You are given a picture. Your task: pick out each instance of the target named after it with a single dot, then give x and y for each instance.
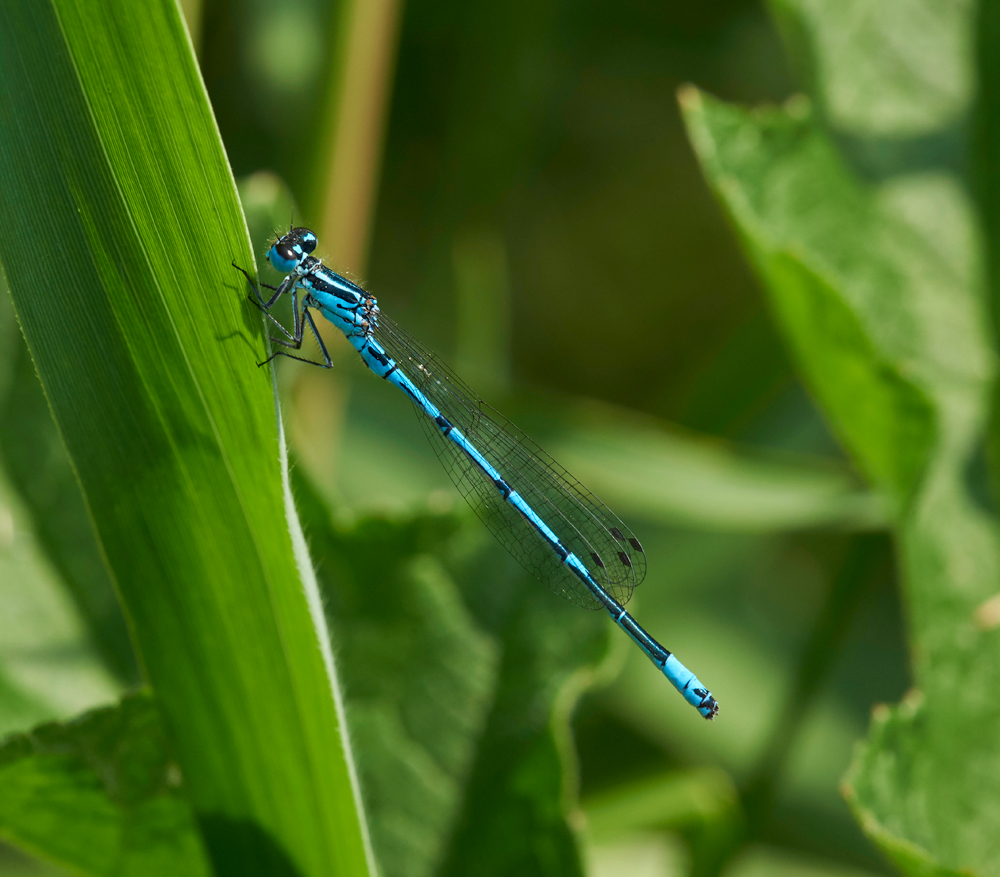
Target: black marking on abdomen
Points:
(443, 424)
(628, 623)
(380, 358)
(395, 365)
(503, 487)
(561, 551)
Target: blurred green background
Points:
(537, 215)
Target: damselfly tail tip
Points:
(709, 708)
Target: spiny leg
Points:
(264, 306)
(301, 318)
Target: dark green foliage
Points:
(541, 214)
(101, 794)
(451, 710)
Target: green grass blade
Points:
(120, 220)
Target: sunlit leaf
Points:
(885, 316)
(895, 69)
(114, 178)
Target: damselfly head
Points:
(291, 248)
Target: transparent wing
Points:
(582, 522)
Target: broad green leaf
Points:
(513, 818)
(772, 168)
(891, 769)
(101, 795)
(419, 674)
(460, 719)
(891, 70)
(115, 182)
(877, 292)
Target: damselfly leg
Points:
(300, 317)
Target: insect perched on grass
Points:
(556, 528)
